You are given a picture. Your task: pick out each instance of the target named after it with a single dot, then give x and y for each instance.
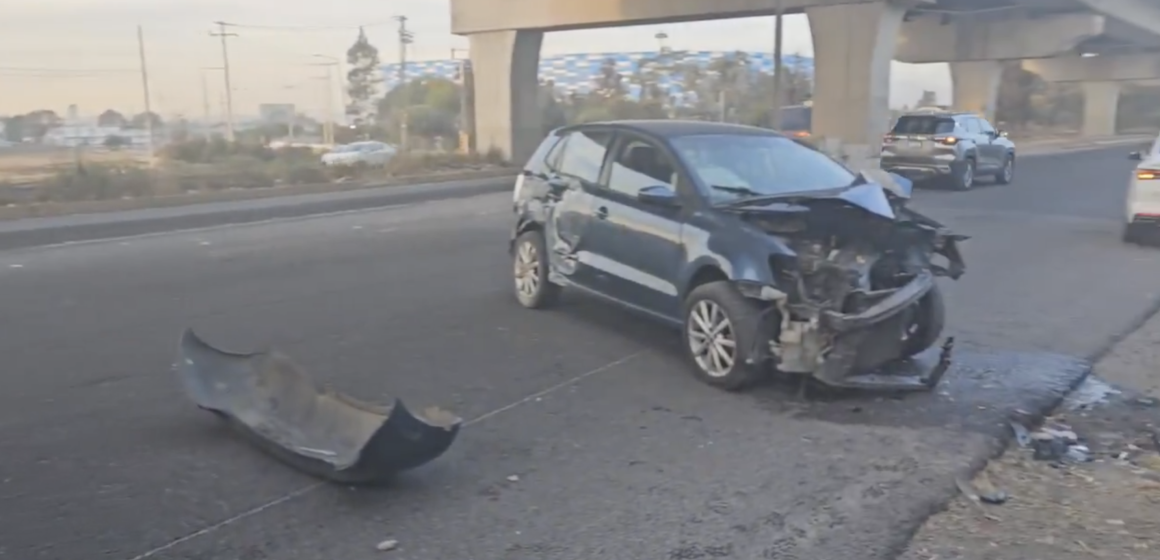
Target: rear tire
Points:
(1006, 174)
(964, 179)
(1130, 235)
(722, 331)
(530, 272)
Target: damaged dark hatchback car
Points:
(768, 254)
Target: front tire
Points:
(1007, 173)
(530, 272)
(928, 324)
(722, 330)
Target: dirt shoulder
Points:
(1107, 506)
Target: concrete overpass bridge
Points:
(1101, 43)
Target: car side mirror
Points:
(1136, 156)
(558, 185)
(659, 195)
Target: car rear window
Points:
(924, 125)
(796, 118)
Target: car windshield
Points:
(739, 166)
(923, 125)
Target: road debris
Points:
(513, 478)
(387, 545)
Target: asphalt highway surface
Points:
(585, 437)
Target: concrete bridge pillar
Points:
(1100, 103)
(853, 47)
(507, 114)
(976, 86)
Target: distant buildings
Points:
(576, 72)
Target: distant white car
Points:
(367, 153)
(1143, 208)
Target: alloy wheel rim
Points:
(527, 271)
(711, 339)
(969, 176)
(1009, 170)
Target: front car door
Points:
(575, 163)
(636, 245)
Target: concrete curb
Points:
(39, 232)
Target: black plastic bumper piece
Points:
(308, 426)
(888, 307)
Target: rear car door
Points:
(974, 137)
(636, 245)
(574, 163)
(989, 143)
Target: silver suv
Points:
(948, 145)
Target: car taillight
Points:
(1147, 174)
(948, 141)
(888, 139)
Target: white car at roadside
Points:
(367, 153)
(1143, 206)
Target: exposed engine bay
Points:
(855, 286)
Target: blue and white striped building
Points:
(576, 72)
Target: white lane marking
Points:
(204, 243)
(15, 266)
(309, 488)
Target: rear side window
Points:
(924, 125)
(584, 153)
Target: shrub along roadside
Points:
(207, 167)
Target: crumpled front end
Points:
(855, 299)
(324, 433)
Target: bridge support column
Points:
(507, 113)
(976, 86)
(853, 47)
(1100, 104)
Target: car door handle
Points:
(602, 212)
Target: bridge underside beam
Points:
(477, 16)
(1117, 68)
(930, 39)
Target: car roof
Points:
(676, 128)
(938, 113)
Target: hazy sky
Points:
(85, 51)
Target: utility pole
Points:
(205, 105)
(778, 100)
(328, 128)
(226, 71)
(145, 88)
(405, 38)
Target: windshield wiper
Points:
(737, 190)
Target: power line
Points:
(67, 70)
(308, 28)
(316, 28)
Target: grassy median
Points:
(41, 182)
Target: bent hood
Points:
(870, 197)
